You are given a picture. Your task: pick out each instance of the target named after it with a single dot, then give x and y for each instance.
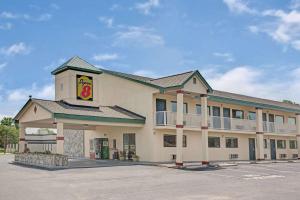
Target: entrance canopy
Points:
(46, 113)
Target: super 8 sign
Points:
(84, 88)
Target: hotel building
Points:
(99, 113)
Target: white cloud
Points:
(147, 6)
(90, 35)
(253, 29)
(138, 36)
(39, 18)
(106, 57)
(2, 65)
(21, 94)
(228, 57)
(146, 73)
(6, 26)
(108, 21)
(251, 81)
(15, 49)
(239, 7)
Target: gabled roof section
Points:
(163, 83)
(78, 64)
(63, 110)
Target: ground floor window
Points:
(265, 143)
(281, 144)
(231, 142)
(214, 142)
(170, 141)
(293, 144)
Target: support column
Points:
(179, 128)
(60, 138)
(204, 129)
(259, 134)
(298, 133)
(21, 138)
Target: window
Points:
(198, 109)
(265, 143)
(170, 141)
(239, 114)
(231, 143)
(114, 144)
(281, 144)
(92, 145)
(279, 119)
(194, 80)
(214, 142)
(251, 115)
(293, 144)
(174, 107)
(292, 120)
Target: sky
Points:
(250, 47)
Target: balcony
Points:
(168, 119)
(272, 127)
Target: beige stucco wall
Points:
(30, 115)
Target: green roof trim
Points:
(251, 104)
(78, 64)
(98, 118)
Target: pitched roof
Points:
(65, 110)
(173, 80)
(78, 64)
(240, 99)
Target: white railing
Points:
(167, 118)
(272, 127)
(225, 123)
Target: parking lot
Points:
(247, 181)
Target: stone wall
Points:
(73, 143)
(49, 161)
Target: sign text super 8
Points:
(84, 87)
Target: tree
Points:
(8, 132)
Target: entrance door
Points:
(161, 106)
(216, 117)
(226, 115)
(273, 149)
(101, 148)
(129, 145)
(252, 155)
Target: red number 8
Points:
(86, 91)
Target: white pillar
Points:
(60, 138)
(259, 134)
(204, 129)
(179, 128)
(298, 133)
(21, 138)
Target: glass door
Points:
(129, 145)
(226, 115)
(161, 106)
(216, 117)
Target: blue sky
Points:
(248, 47)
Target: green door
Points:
(104, 148)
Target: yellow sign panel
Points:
(84, 88)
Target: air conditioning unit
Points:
(233, 156)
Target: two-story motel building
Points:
(150, 117)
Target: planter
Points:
(135, 159)
(48, 161)
(122, 158)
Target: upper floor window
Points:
(292, 120)
(174, 107)
(194, 80)
(279, 119)
(251, 115)
(239, 114)
(198, 109)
